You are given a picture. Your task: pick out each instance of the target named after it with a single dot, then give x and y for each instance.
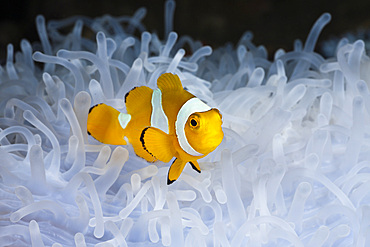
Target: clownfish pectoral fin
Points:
(138, 100)
(103, 124)
(157, 143)
(194, 164)
(175, 170)
(169, 81)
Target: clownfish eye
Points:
(193, 122)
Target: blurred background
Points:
(274, 23)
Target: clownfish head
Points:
(203, 130)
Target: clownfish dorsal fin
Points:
(175, 170)
(103, 124)
(194, 164)
(138, 99)
(157, 143)
(173, 97)
(169, 82)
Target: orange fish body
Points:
(160, 124)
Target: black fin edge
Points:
(194, 167)
(88, 132)
(143, 142)
(128, 94)
(94, 107)
(168, 180)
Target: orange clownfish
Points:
(160, 124)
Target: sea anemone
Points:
(293, 168)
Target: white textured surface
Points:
(292, 170)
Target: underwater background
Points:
(275, 24)
(292, 170)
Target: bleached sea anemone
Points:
(293, 168)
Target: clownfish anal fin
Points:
(175, 170)
(157, 143)
(194, 164)
(138, 99)
(104, 126)
(169, 81)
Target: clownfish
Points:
(160, 124)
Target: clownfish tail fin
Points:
(103, 124)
